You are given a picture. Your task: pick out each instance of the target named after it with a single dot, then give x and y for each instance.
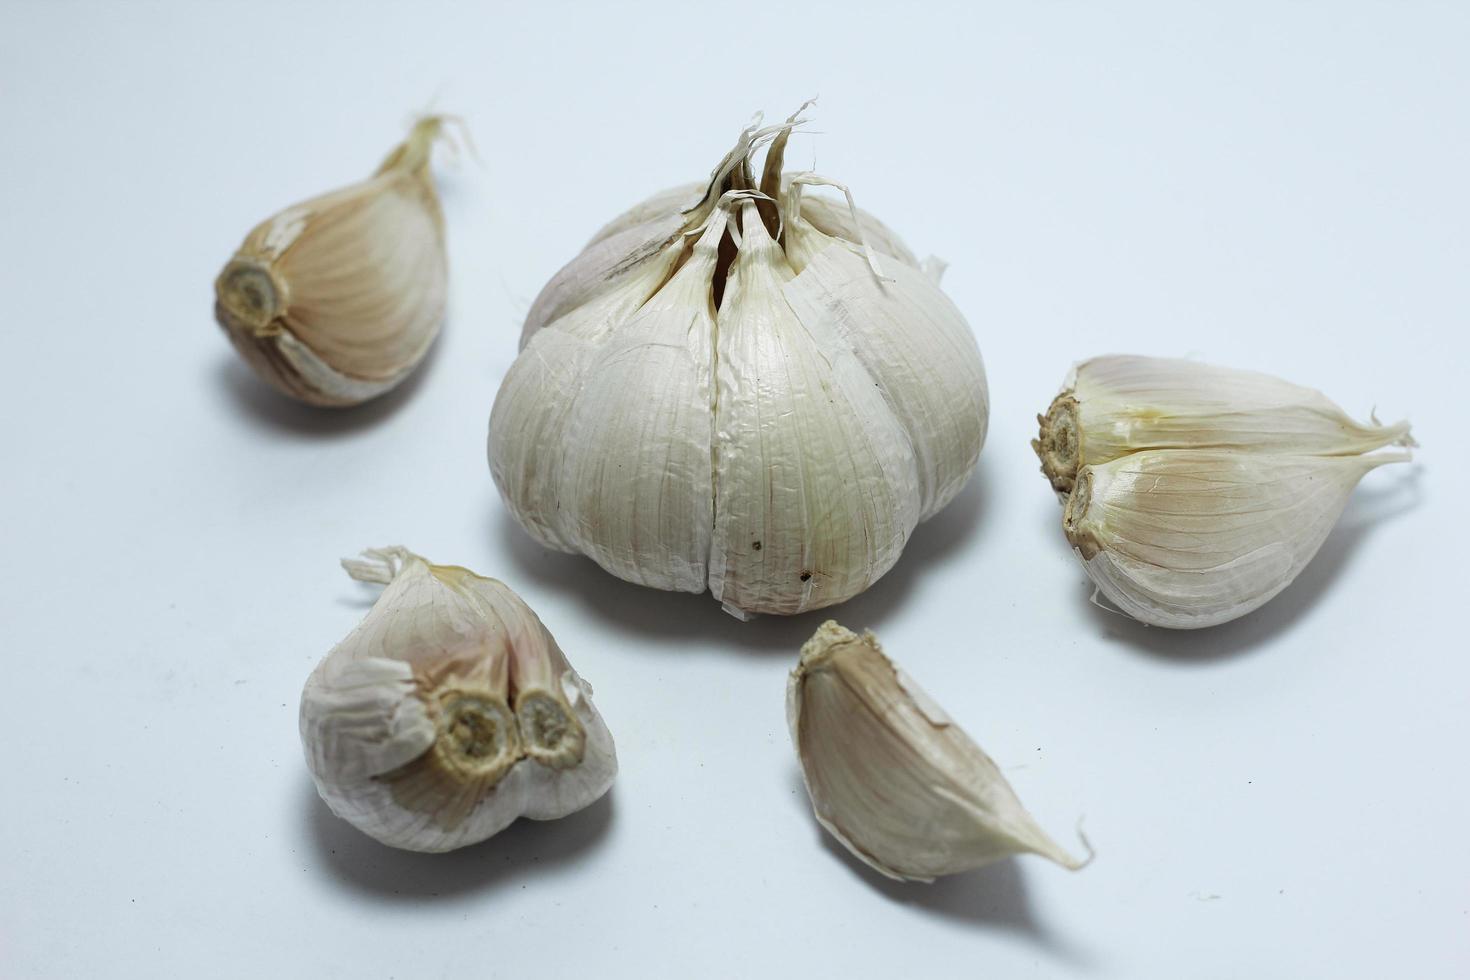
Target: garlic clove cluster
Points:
(891, 776)
(336, 300)
(1194, 494)
(741, 387)
(449, 712)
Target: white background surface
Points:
(1279, 186)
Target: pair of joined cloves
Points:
(1194, 494)
(449, 712)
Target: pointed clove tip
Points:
(1074, 864)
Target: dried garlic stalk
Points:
(722, 392)
(336, 300)
(1194, 494)
(449, 712)
(891, 776)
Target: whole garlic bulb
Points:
(449, 712)
(722, 392)
(336, 300)
(891, 776)
(1194, 494)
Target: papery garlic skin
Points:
(336, 300)
(891, 776)
(1115, 405)
(449, 712)
(835, 221)
(722, 391)
(1192, 538)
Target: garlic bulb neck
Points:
(892, 776)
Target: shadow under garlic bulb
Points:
(740, 387)
(1194, 494)
(336, 300)
(449, 712)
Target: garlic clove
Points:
(914, 343)
(637, 493)
(816, 490)
(448, 712)
(1116, 405)
(1193, 538)
(335, 300)
(891, 776)
(529, 422)
(552, 791)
